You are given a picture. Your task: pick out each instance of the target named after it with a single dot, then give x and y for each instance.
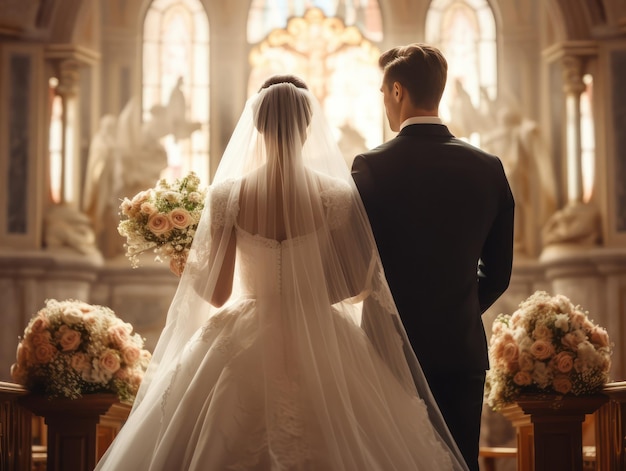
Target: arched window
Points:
(330, 45)
(176, 75)
(465, 31)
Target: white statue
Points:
(525, 157)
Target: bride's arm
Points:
(224, 284)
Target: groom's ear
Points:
(397, 91)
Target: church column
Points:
(67, 74)
(573, 87)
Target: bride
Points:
(283, 349)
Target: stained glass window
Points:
(331, 47)
(176, 63)
(465, 31)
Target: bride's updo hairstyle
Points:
(283, 111)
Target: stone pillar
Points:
(67, 71)
(573, 86)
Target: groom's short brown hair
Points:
(420, 68)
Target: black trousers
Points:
(459, 396)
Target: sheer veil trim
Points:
(317, 314)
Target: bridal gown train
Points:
(256, 388)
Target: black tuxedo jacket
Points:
(437, 206)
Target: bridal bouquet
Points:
(71, 348)
(548, 346)
(163, 219)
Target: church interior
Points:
(99, 99)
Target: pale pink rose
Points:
(510, 352)
(571, 340)
(119, 334)
(148, 208)
(45, 352)
(562, 384)
(180, 218)
(127, 208)
(72, 315)
(69, 339)
(542, 332)
(110, 362)
(131, 354)
(40, 324)
(599, 337)
(522, 378)
(159, 224)
(40, 337)
(541, 349)
(22, 354)
(563, 362)
(122, 374)
(80, 362)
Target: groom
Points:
(438, 207)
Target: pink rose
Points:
(159, 224)
(110, 361)
(69, 339)
(180, 218)
(542, 332)
(599, 337)
(563, 362)
(80, 362)
(119, 334)
(40, 337)
(40, 324)
(562, 384)
(131, 355)
(578, 319)
(22, 354)
(148, 208)
(510, 352)
(522, 378)
(542, 349)
(45, 352)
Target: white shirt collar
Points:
(421, 120)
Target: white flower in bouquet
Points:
(71, 348)
(548, 345)
(163, 219)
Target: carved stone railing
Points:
(15, 430)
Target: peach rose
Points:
(522, 378)
(148, 208)
(562, 384)
(110, 362)
(80, 362)
(69, 339)
(40, 324)
(571, 340)
(131, 354)
(563, 362)
(599, 337)
(119, 334)
(542, 349)
(159, 224)
(542, 332)
(180, 218)
(45, 352)
(22, 354)
(40, 337)
(526, 361)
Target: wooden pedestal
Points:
(549, 430)
(79, 430)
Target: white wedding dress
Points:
(292, 373)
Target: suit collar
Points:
(425, 130)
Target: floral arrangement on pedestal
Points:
(71, 348)
(163, 219)
(548, 345)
